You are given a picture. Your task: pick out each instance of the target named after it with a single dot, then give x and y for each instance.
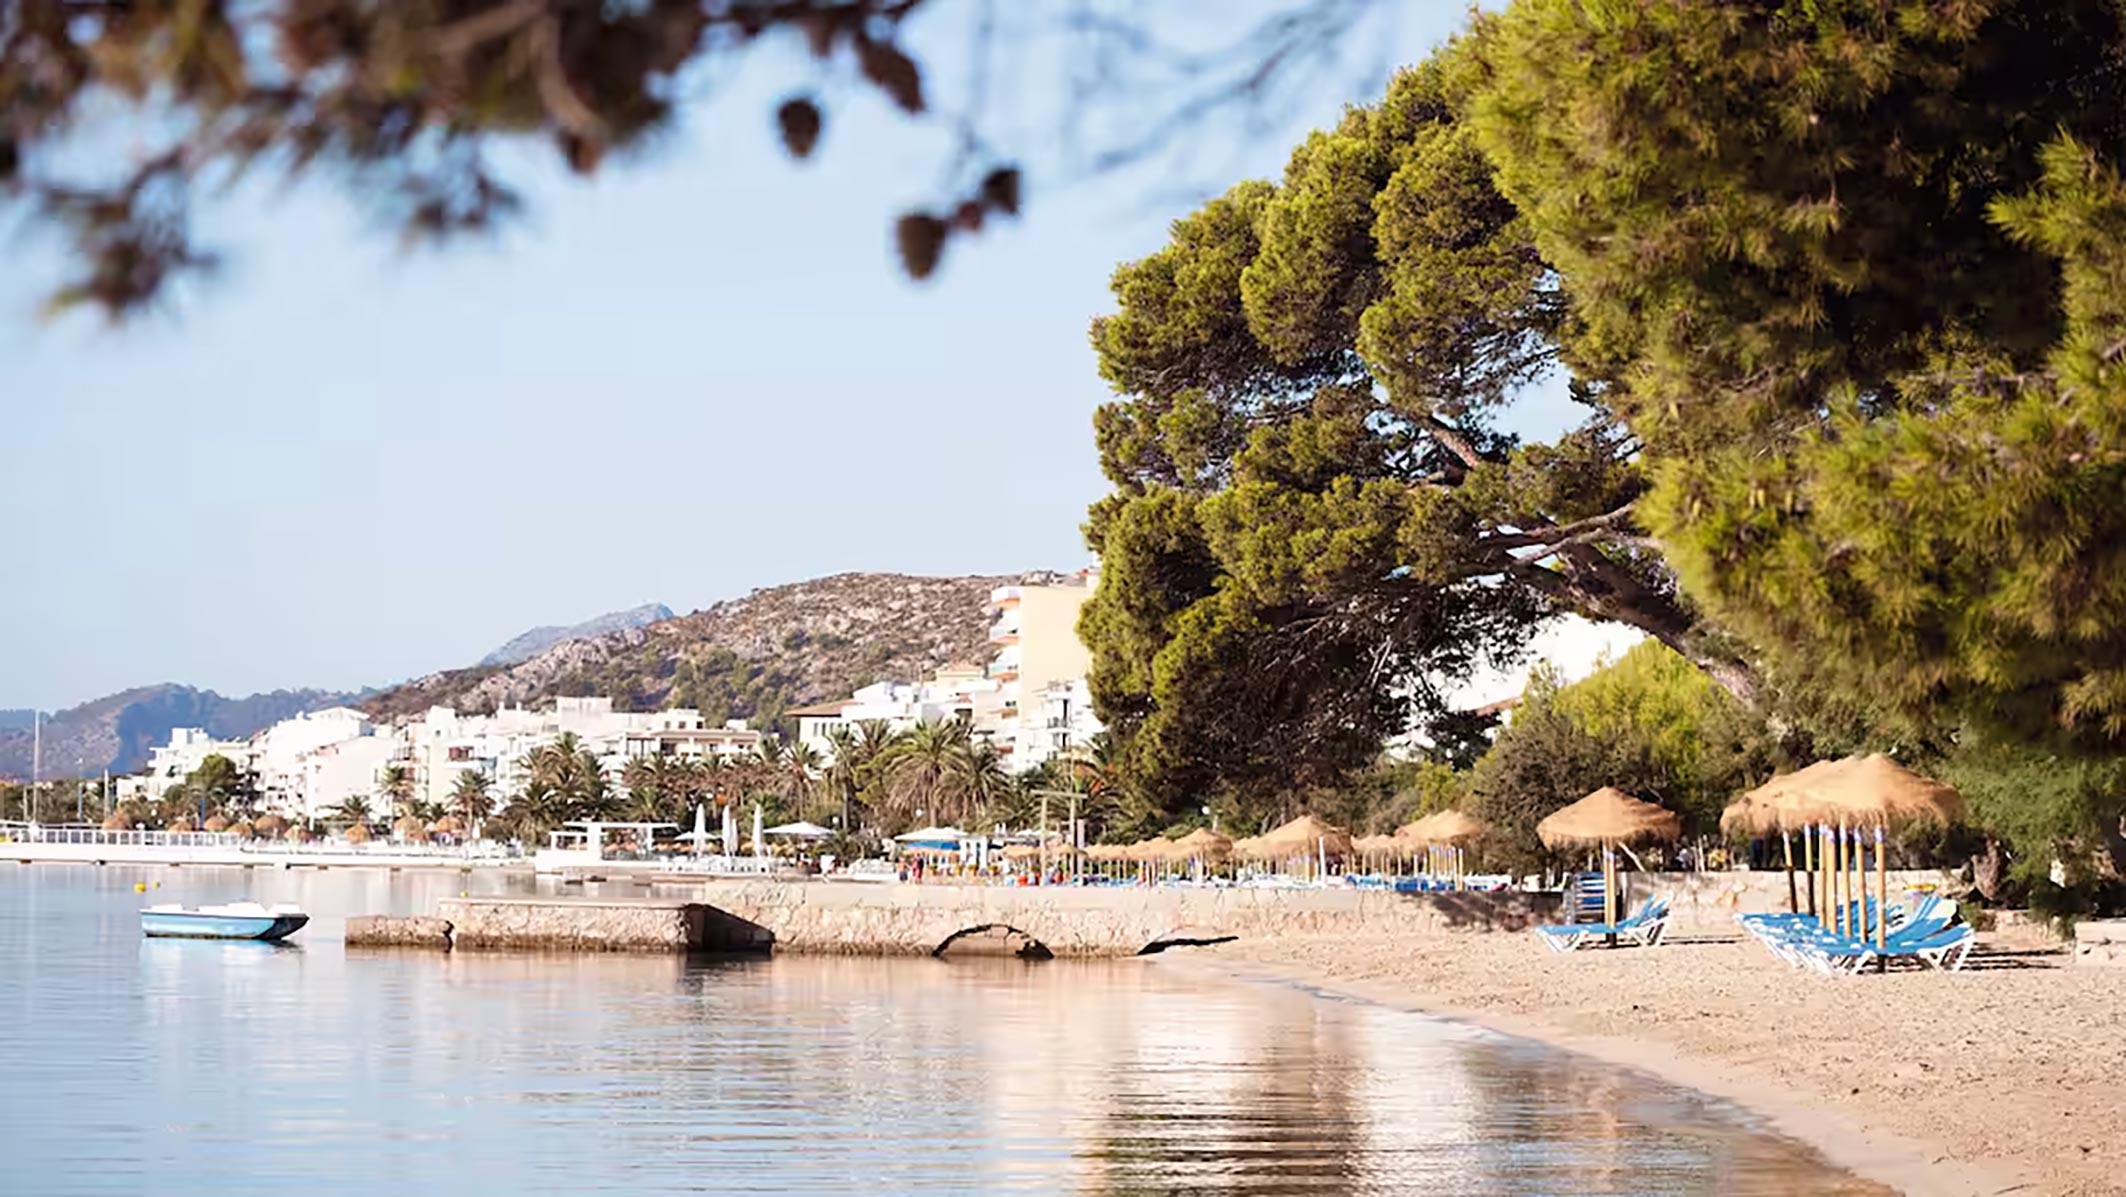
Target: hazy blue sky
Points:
(689, 377)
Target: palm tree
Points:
(569, 777)
(644, 783)
(801, 765)
(928, 771)
(395, 787)
(984, 778)
(846, 772)
(472, 798)
(353, 809)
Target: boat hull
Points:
(173, 925)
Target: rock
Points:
(397, 931)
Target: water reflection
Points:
(195, 1067)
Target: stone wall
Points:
(578, 926)
(893, 919)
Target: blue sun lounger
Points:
(1926, 933)
(1642, 927)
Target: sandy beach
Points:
(2002, 1078)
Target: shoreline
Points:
(1863, 1146)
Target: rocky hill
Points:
(539, 639)
(115, 732)
(747, 658)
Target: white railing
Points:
(760, 865)
(32, 833)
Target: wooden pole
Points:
(1808, 861)
(1609, 885)
(1882, 885)
(1858, 893)
(1786, 846)
(1834, 843)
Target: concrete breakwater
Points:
(571, 925)
(1096, 921)
(908, 920)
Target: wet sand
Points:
(2007, 1077)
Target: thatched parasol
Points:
(180, 823)
(1201, 844)
(241, 828)
(118, 820)
(1440, 835)
(269, 826)
(1104, 853)
(1606, 818)
(1758, 812)
(410, 829)
(358, 834)
(1303, 836)
(1022, 851)
(301, 835)
(215, 823)
(1149, 851)
(1845, 798)
(449, 825)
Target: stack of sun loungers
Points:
(1928, 932)
(1642, 927)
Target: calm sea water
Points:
(141, 1066)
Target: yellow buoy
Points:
(140, 887)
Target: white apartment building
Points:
(169, 764)
(1039, 661)
(443, 744)
(958, 691)
(284, 757)
(312, 762)
(1030, 703)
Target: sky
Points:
(340, 465)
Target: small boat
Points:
(236, 920)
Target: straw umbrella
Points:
(1376, 847)
(1847, 799)
(1204, 847)
(409, 830)
(1305, 835)
(1607, 818)
(118, 820)
(1445, 833)
(358, 834)
(1762, 811)
(269, 826)
(215, 823)
(241, 828)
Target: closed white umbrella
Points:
(760, 845)
(730, 832)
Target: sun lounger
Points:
(1642, 927)
(1925, 933)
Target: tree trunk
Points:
(1989, 870)
(2115, 847)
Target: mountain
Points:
(746, 658)
(115, 732)
(17, 720)
(538, 640)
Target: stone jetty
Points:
(912, 920)
(563, 924)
